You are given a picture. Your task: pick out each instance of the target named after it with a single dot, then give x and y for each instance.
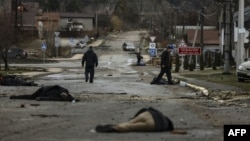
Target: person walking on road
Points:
(139, 58)
(166, 66)
(91, 60)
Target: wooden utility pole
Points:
(16, 16)
(14, 13)
(227, 23)
(201, 38)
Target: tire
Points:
(18, 57)
(241, 80)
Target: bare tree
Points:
(7, 33)
(110, 6)
(140, 7)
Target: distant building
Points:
(181, 30)
(211, 44)
(211, 39)
(76, 22)
(49, 21)
(34, 19)
(246, 17)
(246, 26)
(28, 14)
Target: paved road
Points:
(118, 92)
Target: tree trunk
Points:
(5, 60)
(6, 66)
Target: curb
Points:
(203, 90)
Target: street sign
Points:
(171, 46)
(189, 50)
(152, 45)
(71, 40)
(152, 38)
(86, 38)
(44, 46)
(57, 41)
(57, 34)
(152, 52)
(182, 44)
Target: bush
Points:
(177, 63)
(116, 23)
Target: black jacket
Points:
(162, 123)
(165, 58)
(54, 92)
(90, 58)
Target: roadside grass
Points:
(217, 76)
(12, 72)
(20, 70)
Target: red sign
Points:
(189, 50)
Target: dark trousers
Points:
(89, 73)
(138, 60)
(167, 70)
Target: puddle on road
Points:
(130, 72)
(55, 76)
(63, 76)
(130, 61)
(73, 70)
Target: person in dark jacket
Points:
(166, 66)
(90, 61)
(139, 58)
(145, 120)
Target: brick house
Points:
(211, 45)
(33, 19)
(211, 39)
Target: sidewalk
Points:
(58, 70)
(202, 85)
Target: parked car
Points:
(17, 53)
(81, 44)
(128, 46)
(243, 71)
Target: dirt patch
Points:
(118, 97)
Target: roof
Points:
(246, 14)
(209, 36)
(75, 15)
(31, 6)
(51, 16)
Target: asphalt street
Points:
(119, 90)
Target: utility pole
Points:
(14, 4)
(96, 21)
(241, 35)
(227, 37)
(201, 38)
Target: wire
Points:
(210, 15)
